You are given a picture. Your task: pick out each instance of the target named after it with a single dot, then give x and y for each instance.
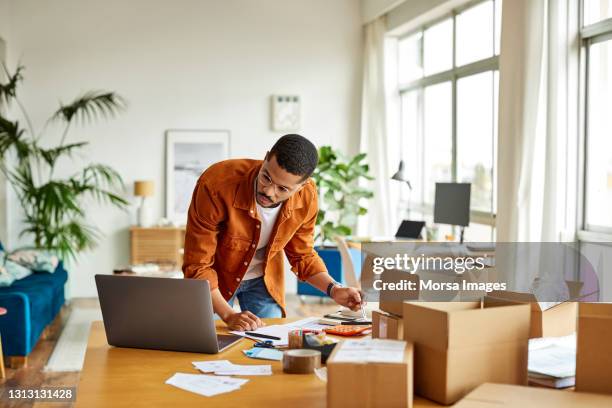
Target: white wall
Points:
(4, 58)
(186, 65)
(413, 13)
(372, 9)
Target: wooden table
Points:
(123, 377)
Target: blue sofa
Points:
(333, 261)
(32, 304)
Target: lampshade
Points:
(143, 188)
(400, 175)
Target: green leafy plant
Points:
(54, 207)
(337, 179)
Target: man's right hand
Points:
(243, 321)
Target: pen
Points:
(362, 309)
(263, 336)
(335, 317)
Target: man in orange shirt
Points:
(244, 214)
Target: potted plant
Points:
(54, 211)
(340, 204)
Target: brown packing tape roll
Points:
(301, 361)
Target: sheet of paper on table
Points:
(207, 385)
(371, 351)
(225, 367)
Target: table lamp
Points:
(144, 189)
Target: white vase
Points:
(145, 214)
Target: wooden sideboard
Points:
(160, 245)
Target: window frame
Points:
(453, 75)
(591, 34)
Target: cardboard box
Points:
(391, 301)
(516, 396)
(558, 320)
(594, 348)
(460, 345)
(387, 326)
(370, 384)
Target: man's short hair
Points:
(296, 154)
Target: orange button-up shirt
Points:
(223, 230)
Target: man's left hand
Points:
(349, 297)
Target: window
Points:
(448, 84)
(596, 10)
(597, 47)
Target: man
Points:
(243, 215)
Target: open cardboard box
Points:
(392, 301)
(594, 348)
(460, 345)
(387, 326)
(546, 320)
(515, 396)
(370, 384)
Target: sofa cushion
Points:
(35, 259)
(9, 268)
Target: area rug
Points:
(69, 351)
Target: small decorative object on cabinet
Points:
(144, 189)
(159, 245)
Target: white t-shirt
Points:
(268, 219)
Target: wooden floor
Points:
(33, 375)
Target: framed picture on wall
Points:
(188, 154)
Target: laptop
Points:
(410, 229)
(160, 313)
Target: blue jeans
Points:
(254, 297)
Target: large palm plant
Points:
(53, 207)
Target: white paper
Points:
(211, 366)
(553, 360)
(553, 356)
(246, 370)
(207, 385)
(321, 373)
(371, 351)
(225, 367)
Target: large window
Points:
(448, 84)
(597, 46)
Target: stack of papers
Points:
(207, 385)
(225, 367)
(371, 351)
(282, 330)
(552, 361)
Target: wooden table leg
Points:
(2, 372)
(17, 362)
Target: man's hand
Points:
(243, 321)
(349, 297)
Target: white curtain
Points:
(375, 109)
(536, 139)
(534, 142)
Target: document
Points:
(282, 330)
(225, 367)
(371, 351)
(553, 356)
(206, 385)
